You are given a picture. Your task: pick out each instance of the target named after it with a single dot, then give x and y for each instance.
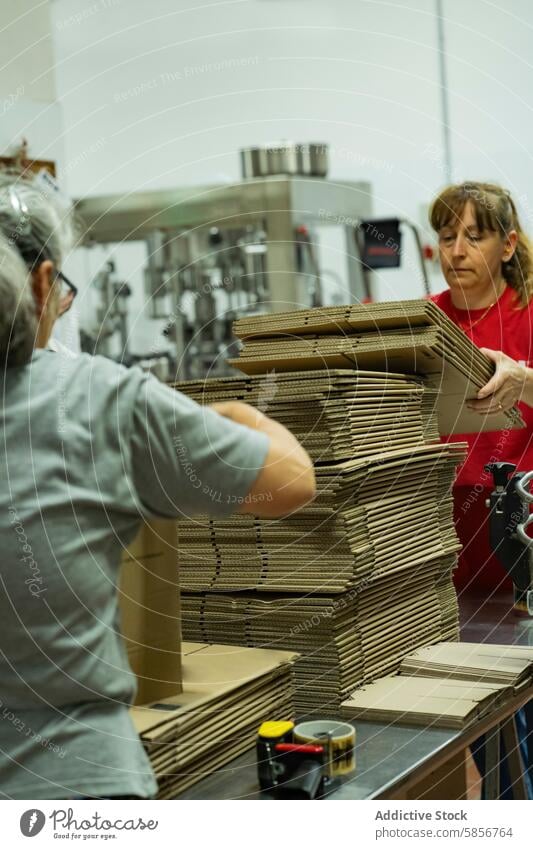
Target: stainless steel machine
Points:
(215, 253)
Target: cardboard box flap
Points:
(209, 672)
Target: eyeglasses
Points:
(68, 293)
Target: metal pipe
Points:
(444, 93)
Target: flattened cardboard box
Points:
(149, 603)
(335, 414)
(209, 673)
(487, 662)
(438, 702)
(404, 336)
(371, 534)
(342, 641)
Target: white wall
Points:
(163, 94)
(27, 49)
(28, 104)
(143, 82)
(491, 77)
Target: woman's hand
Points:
(511, 382)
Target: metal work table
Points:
(393, 761)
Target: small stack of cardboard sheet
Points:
(227, 693)
(509, 665)
(371, 517)
(412, 337)
(336, 415)
(448, 685)
(343, 640)
(431, 702)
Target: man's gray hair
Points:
(34, 220)
(34, 226)
(18, 318)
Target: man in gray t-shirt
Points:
(89, 448)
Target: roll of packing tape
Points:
(338, 739)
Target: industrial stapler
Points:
(509, 518)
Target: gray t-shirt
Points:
(88, 449)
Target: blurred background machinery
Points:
(273, 242)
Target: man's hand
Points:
(511, 382)
(287, 480)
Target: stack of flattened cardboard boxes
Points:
(352, 582)
(430, 702)
(449, 685)
(197, 706)
(413, 337)
(228, 691)
(361, 577)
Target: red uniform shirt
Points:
(509, 328)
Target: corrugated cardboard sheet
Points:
(511, 665)
(413, 337)
(227, 692)
(372, 516)
(336, 414)
(437, 702)
(344, 640)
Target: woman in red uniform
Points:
(487, 262)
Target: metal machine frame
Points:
(283, 203)
(279, 206)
